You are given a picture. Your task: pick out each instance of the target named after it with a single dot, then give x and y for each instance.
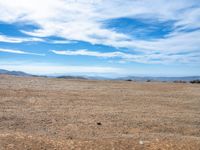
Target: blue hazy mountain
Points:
(128, 78)
(16, 73)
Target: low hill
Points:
(16, 73)
(72, 77)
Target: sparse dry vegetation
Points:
(41, 113)
(195, 82)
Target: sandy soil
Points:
(41, 113)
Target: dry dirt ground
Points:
(41, 113)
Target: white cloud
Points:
(47, 69)
(151, 58)
(62, 42)
(83, 21)
(176, 42)
(4, 38)
(85, 52)
(19, 52)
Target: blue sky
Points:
(104, 38)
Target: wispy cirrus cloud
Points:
(8, 39)
(149, 58)
(85, 21)
(62, 42)
(20, 52)
(85, 52)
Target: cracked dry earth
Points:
(42, 113)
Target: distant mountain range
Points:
(129, 78)
(16, 73)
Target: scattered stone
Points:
(99, 123)
(141, 142)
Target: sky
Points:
(101, 38)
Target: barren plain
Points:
(43, 113)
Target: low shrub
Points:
(180, 81)
(195, 81)
(129, 80)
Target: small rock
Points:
(99, 123)
(141, 142)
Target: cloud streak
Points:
(8, 39)
(85, 52)
(149, 58)
(20, 52)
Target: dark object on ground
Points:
(180, 81)
(99, 123)
(195, 81)
(129, 80)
